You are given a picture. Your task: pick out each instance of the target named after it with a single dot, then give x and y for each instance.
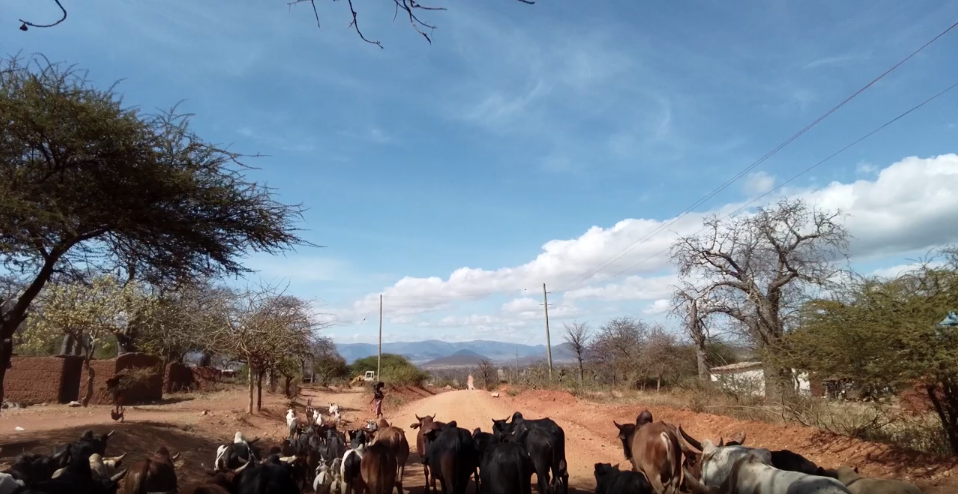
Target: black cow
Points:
(352, 462)
(84, 448)
(452, 457)
(544, 440)
(505, 468)
(77, 478)
(793, 462)
(270, 477)
(237, 454)
(610, 480)
(32, 468)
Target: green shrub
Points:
(396, 369)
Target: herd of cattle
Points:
(371, 459)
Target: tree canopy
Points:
(88, 185)
(884, 333)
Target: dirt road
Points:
(473, 409)
(195, 424)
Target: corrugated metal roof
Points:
(738, 366)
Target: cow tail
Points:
(383, 488)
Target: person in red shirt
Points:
(377, 400)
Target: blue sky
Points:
(532, 143)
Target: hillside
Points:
(462, 358)
(422, 352)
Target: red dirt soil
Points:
(933, 474)
(195, 424)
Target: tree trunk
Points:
(12, 319)
(206, 359)
(777, 381)
(271, 379)
(249, 378)
(90, 375)
(946, 407)
(286, 391)
(580, 371)
(658, 385)
(259, 391)
(701, 356)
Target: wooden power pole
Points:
(545, 306)
(379, 360)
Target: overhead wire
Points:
(801, 173)
(615, 257)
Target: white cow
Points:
(740, 470)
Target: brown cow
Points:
(152, 475)
(426, 424)
(378, 469)
(395, 439)
(218, 483)
(654, 450)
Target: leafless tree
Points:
(692, 309)
(410, 9)
(264, 329)
(758, 267)
(488, 373)
(661, 355)
(577, 335)
(616, 348)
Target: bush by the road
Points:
(396, 369)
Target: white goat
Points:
(324, 479)
(291, 422)
(333, 409)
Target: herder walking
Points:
(377, 400)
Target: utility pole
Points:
(545, 307)
(379, 361)
(517, 365)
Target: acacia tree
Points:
(885, 333)
(89, 313)
(661, 356)
(757, 268)
(410, 9)
(181, 320)
(577, 334)
(88, 184)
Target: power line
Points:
(747, 169)
(803, 172)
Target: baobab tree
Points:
(758, 267)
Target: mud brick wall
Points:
(151, 390)
(206, 377)
(178, 377)
(33, 380)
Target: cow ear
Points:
(855, 469)
(414, 426)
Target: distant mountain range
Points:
(434, 353)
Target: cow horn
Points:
(119, 475)
(175, 457)
(58, 472)
(418, 417)
(689, 440)
(108, 434)
(738, 438)
(287, 459)
(721, 441)
(116, 459)
(240, 468)
(697, 487)
(56, 456)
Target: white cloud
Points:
(757, 183)
(660, 306)
(909, 205)
(865, 168)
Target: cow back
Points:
(656, 453)
(378, 468)
(506, 469)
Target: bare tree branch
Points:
(24, 24)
